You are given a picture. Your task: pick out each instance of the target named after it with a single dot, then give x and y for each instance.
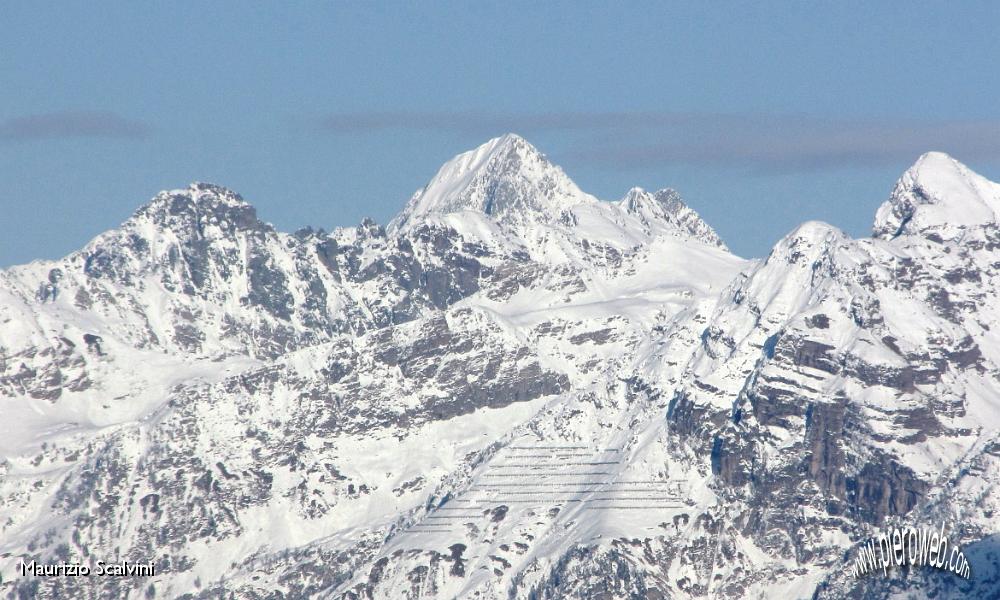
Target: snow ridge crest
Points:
(506, 178)
(938, 196)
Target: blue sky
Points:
(762, 116)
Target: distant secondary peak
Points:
(199, 193)
(666, 206)
(217, 193)
(807, 243)
(506, 178)
(939, 195)
(198, 205)
(667, 200)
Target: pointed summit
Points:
(937, 194)
(505, 178)
(666, 206)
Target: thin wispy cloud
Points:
(796, 143)
(72, 124)
(653, 139)
(472, 122)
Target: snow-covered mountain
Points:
(507, 193)
(515, 390)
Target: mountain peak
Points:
(937, 194)
(197, 205)
(666, 206)
(198, 193)
(506, 178)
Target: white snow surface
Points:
(938, 193)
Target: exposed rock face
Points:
(513, 391)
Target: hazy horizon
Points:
(760, 116)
